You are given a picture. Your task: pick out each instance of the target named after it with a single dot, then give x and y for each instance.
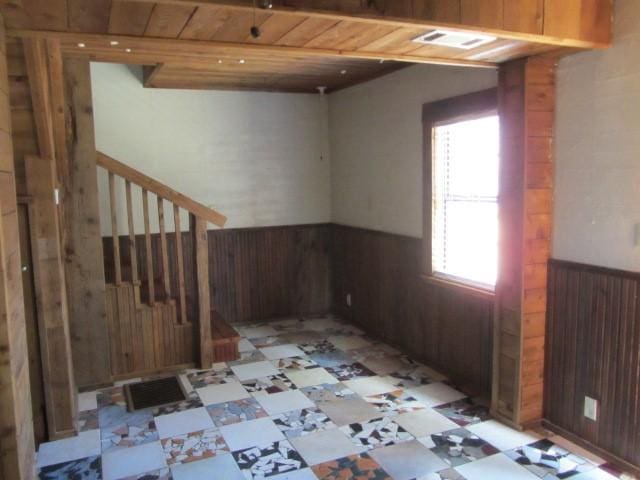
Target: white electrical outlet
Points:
(348, 299)
(591, 408)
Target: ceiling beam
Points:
(401, 16)
(159, 50)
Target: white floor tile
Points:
(371, 386)
(324, 446)
(225, 392)
(349, 342)
(310, 377)
(281, 351)
(245, 345)
(436, 394)
(87, 401)
(284, 402)
(304, 474)
(501, 436)
(126, 462)
(250, 434)
(424, 422)
(86, 444)
(257, 332)
(183, 422)
(495, 467)
(595, 474)
(223, 467)
(250, 371)
(408, 460)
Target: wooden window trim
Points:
(477, 104)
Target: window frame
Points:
(451, 110)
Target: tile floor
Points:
(309, 399)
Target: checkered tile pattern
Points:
(309, 399)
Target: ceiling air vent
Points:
(447, 38)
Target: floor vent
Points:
(448, 38)
(154, 393)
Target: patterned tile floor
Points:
(310, 399)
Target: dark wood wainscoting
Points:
(256, 273)
(593, 349)
(447, 329)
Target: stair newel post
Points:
(199, 229)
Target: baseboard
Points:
(610, 457)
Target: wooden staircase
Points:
(153, 323)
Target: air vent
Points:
(447, 38)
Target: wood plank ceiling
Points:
(300, 50)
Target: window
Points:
(461, 209)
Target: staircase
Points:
(154, 323)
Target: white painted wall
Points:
(597, 184)
(376, 144)
(259, 158)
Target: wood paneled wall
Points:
(593, 349)
(17, 453)
(447, 329)
(256, 273)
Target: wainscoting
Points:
(593, 348)
(447, 329)
(277, 272)
(256, 273)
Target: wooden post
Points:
(199, 228)
(526, 107)
(51, 299)
(148, 248)
(163, 251)
(84, 260)
(180, 265)
(117, 264)
(133, 251)
(17, 452)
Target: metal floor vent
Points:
(154, 393)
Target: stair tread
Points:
(221, 330)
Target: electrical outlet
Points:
(348, 299)
(591, 408)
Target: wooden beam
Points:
(160, 189)
(203, 53)
(35, 55)
(149, 73)
(406, 15)
(84, 260)
(51, 300)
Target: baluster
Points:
(163, 250)
(180, 264)
(133, 253)
(149, 251)
(114, 229)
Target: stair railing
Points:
(199, 216)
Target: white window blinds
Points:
(465, 200)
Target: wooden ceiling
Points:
(201, 44)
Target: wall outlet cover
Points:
(591, 408)
(348, 299)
